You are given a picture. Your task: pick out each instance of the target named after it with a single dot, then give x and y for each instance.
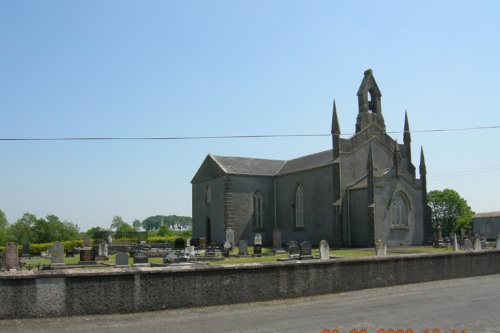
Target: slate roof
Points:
(248, 166)
(489, 214)
(265, 167)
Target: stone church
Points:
(363, 189)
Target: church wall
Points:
(318, 210)
(242, 190)
(358, 218)
(396, 235)
(213, 211)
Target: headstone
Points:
(210, 252)
(243, 248)
(121, 260)
(230, 236)
(109, 240)
(140, 259)
(476, 244)
(293, 250)
(380, 248)
(324, 250)
(189, 251)
(171, 258)
(11, 260)
(227, 248)
(257, 250)
(86, 241)
(57, 254)
(483, 242)
(26, 251)
(202, 242)
(87, 257)
(454, 243)
(257, 240)
(103, 249)
(497, 242)
(179, 243)
(188, 241)
(440, 234)
(462, 233)
(467, 244)
(277, 244)
(305, 250)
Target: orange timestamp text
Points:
(394, 331)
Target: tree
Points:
(21, 231)
(96, 232)
(165, 231)
(124, 230)
(116, 222)
(450, 211)
(4, 224)
(137, 224)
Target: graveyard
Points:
(96, 279)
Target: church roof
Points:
(264, 167)
(248, 166)
(307, 162)
(488, 214)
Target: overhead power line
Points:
(236, 136)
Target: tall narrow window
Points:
(399, 210)
(208, 195)
(299, 207)
(257, 210)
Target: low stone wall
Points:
(83, 292)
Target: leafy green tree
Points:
(95, 232)
(116, 222)
(137, 224)
(4, 226)
(450, 211)
(124, 230)
(165, 231)
(21, 231)
(174, 222)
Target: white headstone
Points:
(454, 242)
(230, 236)
(324, 250)
(380, 248)
(476, 244)
(188, 241)
(258, 239)
(189, 251)
(497, 242)
(103, 249)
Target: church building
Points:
(362, 190)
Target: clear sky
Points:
(135, 69)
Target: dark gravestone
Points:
(69, 253)
(121, 259)
(179, 243)
(11, 256)
(257, 250)
(210, 252)
(202, 242)
(87, 257)
(243, 248)
(26, 251)
(141, 258)
(293, 250)
(305, 250)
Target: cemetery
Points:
(96, 281)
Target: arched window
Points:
(258, 221)
(299, 207)
(399, 210)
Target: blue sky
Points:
(221, 68)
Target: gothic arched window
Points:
(208, 195)
(258, 220)
(399, 210)
(299, 207)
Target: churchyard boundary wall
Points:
(68, 292)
